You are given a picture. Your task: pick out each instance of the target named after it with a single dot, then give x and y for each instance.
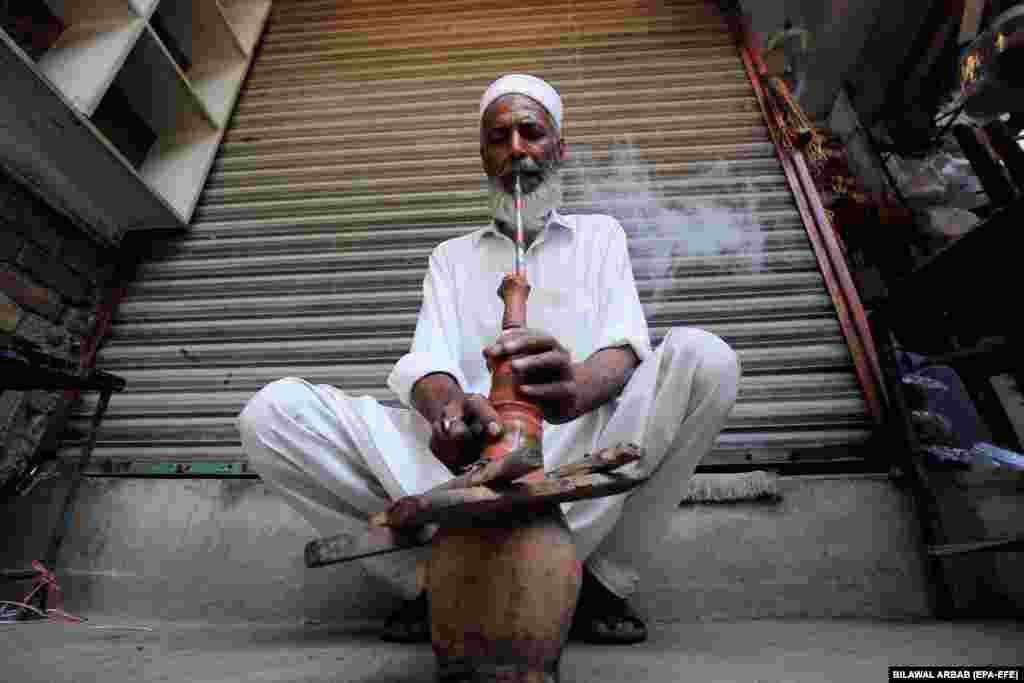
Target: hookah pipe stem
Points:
(520, 237)
(514, 288)
(521, 417)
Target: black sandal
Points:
(604, 618)
(410, 624)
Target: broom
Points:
(756, 486)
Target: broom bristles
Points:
(730, 488)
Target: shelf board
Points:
(227, 21)
(218, 86)
(162, 65)
(246, 18)
(144, 8)
(178, 163)
(218, 63)
(87, 11)
(86, 57)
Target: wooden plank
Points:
(364, 543)
(217, 84)
(247, 18)
(481, 502)
(504, 470)
(605, 460)
(74, 12)
(144, 8)
(218, 62)
(87, 56)
(156, 86)
(176, 165)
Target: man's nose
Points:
(517, 145)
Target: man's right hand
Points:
(465, 426)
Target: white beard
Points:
(536, 205)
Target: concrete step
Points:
(229, 550)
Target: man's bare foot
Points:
(603, 617)
(410, 624)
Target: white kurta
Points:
(339, 458)
(581, 291)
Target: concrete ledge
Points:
(229, 551)
(834, 547)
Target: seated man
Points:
(588, 363)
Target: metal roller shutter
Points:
(310, 240)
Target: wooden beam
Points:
(838, 281)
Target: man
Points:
(587, 361)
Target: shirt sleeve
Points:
(435, 345)
(621, 319)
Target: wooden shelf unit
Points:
(150, 85)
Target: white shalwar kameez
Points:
(336, 457)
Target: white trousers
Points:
(338, 459)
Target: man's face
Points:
(517, 133)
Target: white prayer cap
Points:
(523, 84)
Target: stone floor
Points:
(109, 650)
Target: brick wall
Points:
(52, 279)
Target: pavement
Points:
(112, 650)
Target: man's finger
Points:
(446, 424)
(530, 343)
(549, 361)
(458, 430)
(496, 349)
(483, 414)
(441, 446)
(550, 391)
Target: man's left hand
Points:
(545, 369)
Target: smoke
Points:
(672, 225)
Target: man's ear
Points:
(561, 149)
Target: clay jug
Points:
(502, 597)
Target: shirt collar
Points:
(555, 219)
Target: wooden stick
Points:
(1009, 544)
(605, 460)
(504, 470)
(465, 505)
(851, 322)
(373, 541)
(380, 538)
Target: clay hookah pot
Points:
(503, 591)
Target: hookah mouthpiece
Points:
(520, 237)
